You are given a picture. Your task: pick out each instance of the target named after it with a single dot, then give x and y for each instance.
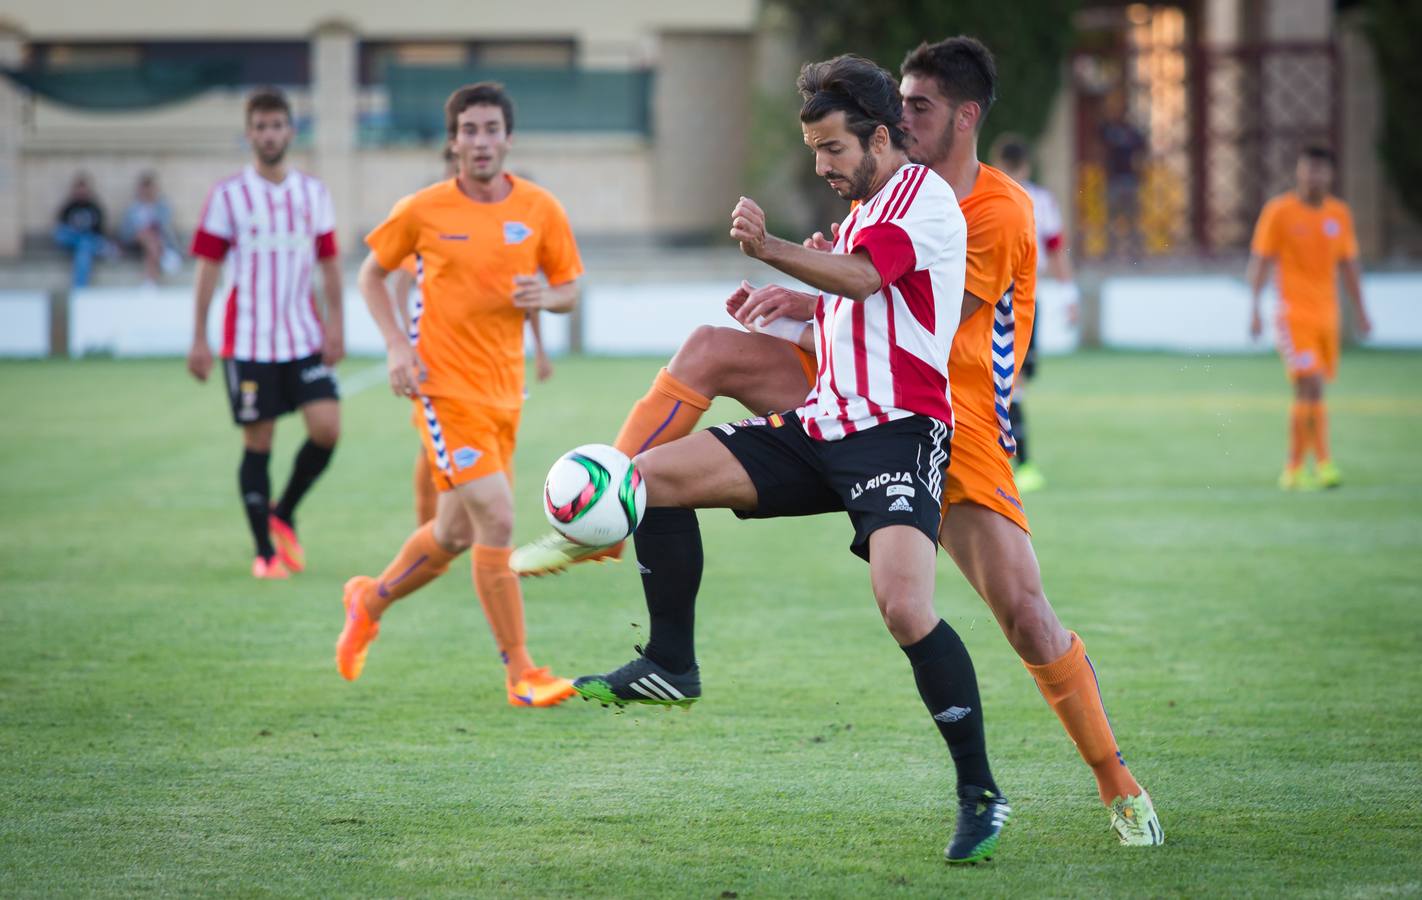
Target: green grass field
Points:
(170, 726)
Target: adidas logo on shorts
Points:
(901, 505)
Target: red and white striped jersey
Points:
(886, 357)
(270, 236)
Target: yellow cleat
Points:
(1327, 474)
(553, 553)
(539, 687)
(359, 631)
(1029, 478)
(1135, 821)
(1294, 478)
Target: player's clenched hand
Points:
(406, 371)
(528, 292)
(818, 241)
(748, 227)
(333, 346)
(766, 304)
(200, 360)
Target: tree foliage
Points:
(1029, 43)
(1393, 27)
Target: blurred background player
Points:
(1308, 233)
(271, 223)
(481, 239)
(1013, 156)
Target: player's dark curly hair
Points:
(963, 67)
(866, 93)
(267, 99)
(485, 93)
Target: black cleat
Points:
(642, 681)
(981, 816)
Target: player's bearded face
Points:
(840, 158)
(480, 142)
(270, 135)
(856, 186)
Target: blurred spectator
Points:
(1123, 144)
(147, 229)
(81, 229)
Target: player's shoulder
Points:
(429, 197)
(536, 195)
(1280, 203)
(1337, 206)
(1000, 200)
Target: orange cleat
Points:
(269, 569)
(360, 629)
(287, 546)
(539, 687)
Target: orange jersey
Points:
(1002, 271)
(468, 332)
(1308, 242)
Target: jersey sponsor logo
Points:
(896, 490)
(1009, 498)
(454, 237)
(953, 714)
(516, 232)
(775, 420)
(465, 457)
(316, 373)
(901, 505)
(729, 428)
(879, 481)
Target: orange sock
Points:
(418, 563)
(1069, 686)
(426, 497)
(1300, 431)
(1319, 434)
(502, 599)
(668, 411)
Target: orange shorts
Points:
(464, 441)
(980, 472)
(1308, 349)
(808, 365)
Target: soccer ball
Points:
(594, 496)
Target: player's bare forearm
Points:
(400, 284)
(335, 297)
(562, 298)
(1059, 265)
(208, 273)
(849, 275)
(1353, 284)
(1257, 275)
(371, 283)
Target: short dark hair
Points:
(267, 99)
(1318, 153)
(963, 67)
(1012, 151)
(485, 93)
(866, 93)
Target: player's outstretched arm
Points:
(849, 275)
(400, 357)
(200, 355)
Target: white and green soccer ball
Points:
(594, 495)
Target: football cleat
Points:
(642, 681)
(287, 546)
(269, 568)
(981, 817)
(359, 631)
(1327, 474)
(553, 553)
(1294, 478)
(1029, 478)
(539, 687)
(1135, 821)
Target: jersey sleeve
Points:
(915, 232)
(1266, 242)
(394, 239)
(1348, 236)
(216, 228)
(325, 225)
(1002, 229)
(558, 251)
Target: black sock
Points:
(668, 546)
(1019, 430)
(949, 688)
(256, 487)
(311, 461)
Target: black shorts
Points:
(260, 391)
(1029, 359)
(890, 474)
